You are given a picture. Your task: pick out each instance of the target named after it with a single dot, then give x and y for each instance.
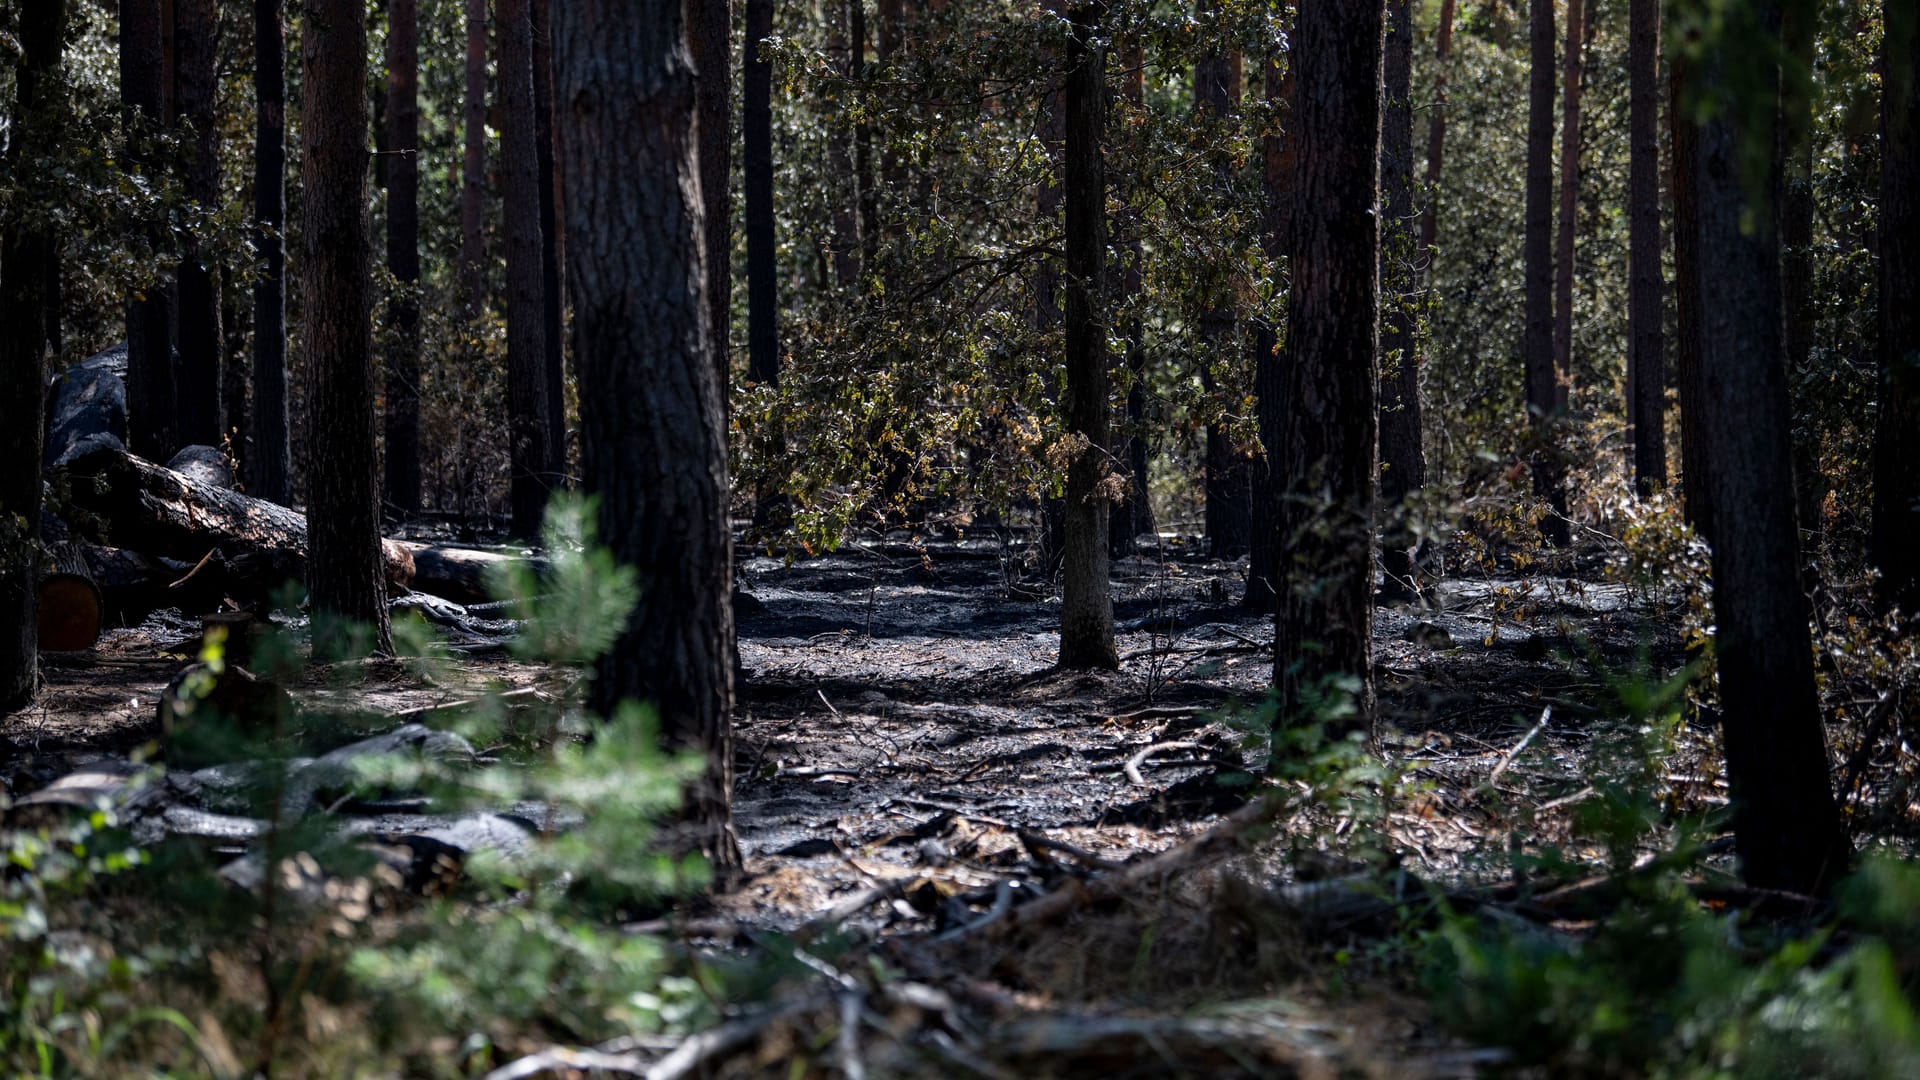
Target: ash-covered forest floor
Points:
(910, 764)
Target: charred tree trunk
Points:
(25, 252)
(196, 38)
(1086, 606)
(473, 166)
(152, 420)
(1543, 382)
(1686, 303)
(269, 474)
(403, 260)
(756, 133)
(1896, 483)
(1786, 828)
(654, 432)
(345, 581)
(1646, 330)
(1133, 516)
(552, 244)
(1280, 162)
(1403, 462)
(1229, 491)
(1323, 634)
(710, 35)
(1573, 74)
(1436, 134)
(527, 414)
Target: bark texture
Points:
(552, 244)
(1786, 828)
(1896, 480)
(1686, 303)
(1086, 604)
(25, 252)
(1133, 514)
(1229, 481)
(1403, 462)
(1573, 75)
(654, 439)
(1545, 394)
(196, 40)
(1328, 425)
(527, 416)
(403, 260)
(269, 452)
(345, 581)
(1646, 328)
(756, 133)
(152, 421)
(710, 36)
(473, 165)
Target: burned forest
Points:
(959, 538)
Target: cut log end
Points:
(72, 611)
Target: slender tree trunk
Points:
(346, 576)
(1544, 391)
(527, 415)
(1133, 516)
(756, 129)
(1686, 302)
(1229, 482)
(552, 243)
(845, 192)
(403, 259)
(268, 471)
(710, 34)
(1086, 606)
(1279, 166)
(1436, 133)
(1896, 481)
(1646, 330)
(869, 196)
(1326, 468)
(196, 43)
(25, 253)
(473, 168)
(1786, 828)
(1403, 462)
(1798, 27)
(152, 418)
(652, 421)
(1574, 74)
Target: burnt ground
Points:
(900, 722)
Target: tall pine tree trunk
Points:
(653, 428)
(346, 577)
(268, 456)
(1686, 301)
(403, 260)
(1403, 461)
(527, 415)
(1437, 133)
(1646, 331)
(1543, 383)
(1086, 605)
(1133, 515)
(473, 166)
(710, 35)
(1229, 492)
(1325, 463)
(756, 133)
(552, 244)
(25, 254)
(196, 37)
(152, 416)
(1574, 73)
(1786, 829)
(1896, 481)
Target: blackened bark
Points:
(1086, 604)
(1786, 829)
(653, 429)
(346, 578)
(25, 253)
(527, 415)
(1403, 462)
(1328, 427)
(196, 39)
(1133, 515)
(1229, 480)
(152, 421)
(1437, 133)
(1280, 161)
(756, 133)
(1686, 302)
(473, 165)
(1646, 330)
(1795, 217)
(268, 455)
(403, 260)
(1896, 482)
(1571, 79)
(552, 243)
(710, 36)
(1544, 392)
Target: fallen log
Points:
(461, 574)
(126, 501)
(87, 407)
(72, 611)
